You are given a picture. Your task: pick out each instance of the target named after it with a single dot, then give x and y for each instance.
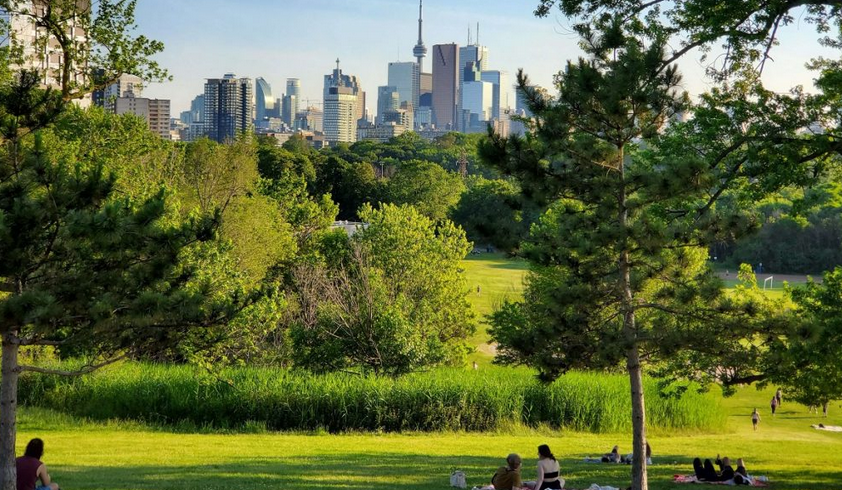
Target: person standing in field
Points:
(774, 404)
(755, 419)
(30, 469)
(780, 396)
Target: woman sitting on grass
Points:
(30, 468)
(548, 471)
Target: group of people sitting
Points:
(508, 477)
(548, 476)
(707, 472)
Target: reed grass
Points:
(261, 399)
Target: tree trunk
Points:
(640, 480)
(639, 477)
(8, 410)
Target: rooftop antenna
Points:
(469, 34)
(477, 33)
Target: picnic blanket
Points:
(756, 482)
(830, 428)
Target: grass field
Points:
(118, 456)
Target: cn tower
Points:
(420, 51)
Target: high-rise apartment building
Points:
(156, 112)
(229, 107)
(341, 107)
(446, 74)
(41, 51)
(476, 106)
(121, 88)
(264, 103)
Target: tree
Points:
(493, 212)
(619, 256)
(389, 300)
(83, 268)
(431, 189)
(808, 360)
(106, 51)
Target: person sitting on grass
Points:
(30, 468)
(726, 472)
(548, 471)
(508, 477)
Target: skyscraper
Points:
(292, 100)
(350, 81)
(229, 107)
(446, 74)
(502, 92)
(264, 102)
(388, 99)
(341, 107)
(476, 53)
(406, 78)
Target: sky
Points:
(280, 39)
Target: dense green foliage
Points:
(800, 232)
(288, 400)
(390, 299)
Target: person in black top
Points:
(726, 472)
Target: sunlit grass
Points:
(116, 456)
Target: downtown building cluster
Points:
(460, 93)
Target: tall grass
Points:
(446, 399)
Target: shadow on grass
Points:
(388, 471)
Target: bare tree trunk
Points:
(640, 479)
(8, 410)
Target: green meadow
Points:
(86, 449)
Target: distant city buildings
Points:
(461, 92)
(229, 107)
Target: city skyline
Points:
(301, 39)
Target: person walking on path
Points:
(774, 404)
(755, 419)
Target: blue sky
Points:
(278, 39)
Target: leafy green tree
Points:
(350, 184)
(429, 188)
(107, 50)
(808, 360)
(619, 273)
(84, 269)
(493, 212)
(391, 301)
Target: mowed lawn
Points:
(117, 456)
